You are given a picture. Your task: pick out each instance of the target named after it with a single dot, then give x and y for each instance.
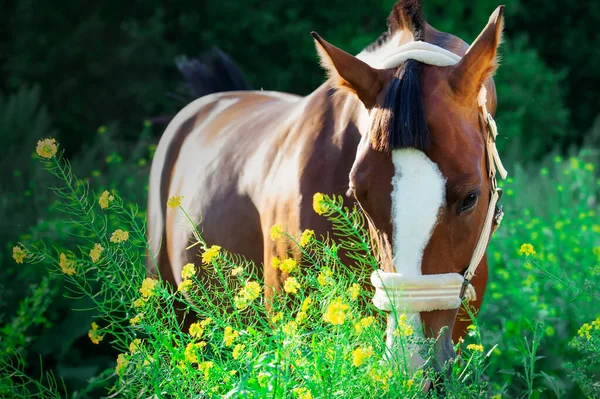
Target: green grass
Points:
(536, 329)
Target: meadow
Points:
(537, 335)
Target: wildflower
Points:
(291, 285)
(306, 303)
(475, 347)
(96, 252)
(276, 232)
(147, 288)
(277, 318)
(210, 254)
(404, 329)
(354, 291)
(138, 303)
(46, 148)
(66, 265)
(236, 271)
(105, 199)
(287, 266)
(363, 323)
(323, 277)
(205, 367)
(584, 331)
(275, 262)
(360, 354)
(247, 294)
(307, 236)
(527, 250)
(230, 335)
(19, 254)
(196, 330)
(135, 345)
(497, 396)
(336, 312)
(94, 335)
(184, 286)
(589, 167)
(206, 322)
(134, 321)
(119, 236)
(319, 203)
(290, 328)
(121, 363)
(302, 393)
(237, 351)
(407, 384)
(191, 351)
(188, 271)
(174, 201)
(301, 317)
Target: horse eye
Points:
(468, 203)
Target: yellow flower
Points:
(206, 322)
(363, 323)
(497, 396)
(318, 203)
(136, 320)
(174, 201)
(404, 328)
(276, 232)
(236, 271)
(210, 254)
(139, 303)
(205, 367)
(96, 252)
(237, 351)
(184, 286)
(306, 303)
(290, 328)
(135, 345)
(323, 277)
(336, 312)
(196, 330)
(277, 318)
(147, 288)
(301, 317)
(302, 393)
(291, 285)
(66, 265)
(306, 237)
(275, 262)
(287, 266)
(584, 331)
(121, 363)
(188, 271)
(105, 199)
(247, 294)
(354, 291)
(230, 335)
(475, 347)
(360, 354)
(18, 254)
(46, 148)
(192, 349)
(589, 167)
(94, 335)
(119, 236)
(527, 250)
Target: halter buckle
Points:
(463, 288)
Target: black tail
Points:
(213, 73)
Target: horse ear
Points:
(480, 61)
(350, 73)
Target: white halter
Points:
(413, 294)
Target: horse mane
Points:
(400, 123)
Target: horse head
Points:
(424, 171)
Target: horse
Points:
(402, 129)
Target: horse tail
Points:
(214, 72)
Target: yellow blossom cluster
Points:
(96, 252)
(475, 347)
(286, 266)
(277, 318)
(360, 354)
(119, 236)
(404, 328)
(121, 363)
(188, 271)
(66, 264)
(105, 199)
(94, 335)
(354, 291)
(174, 201)
(205, 368)
(527, 250)
(586, 328)
(319, 205)
(135, 345)
(307, 236)
(210, 254)
(197, 329)
(18, 254)
(247, 294)
(276, 232)
(134, 321)
(230, 335)
(363, 323)
(336, 312)
(290, 328)
(324, 277)
(302, 393)
(237, 270)
(46, 148)
(185, 285)
(147, 288)
(191, 351)
(237, 351)
(291, 285)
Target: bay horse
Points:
(398, 128)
